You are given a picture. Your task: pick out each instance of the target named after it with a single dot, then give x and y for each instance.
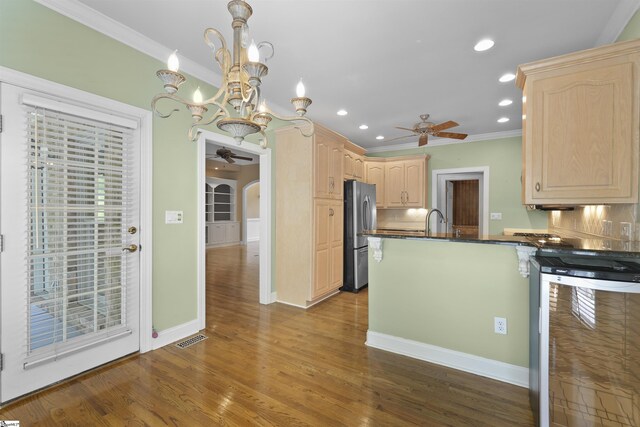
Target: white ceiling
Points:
(387, 61)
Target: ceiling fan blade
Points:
(443, 126)
(410, 130)
(453, 135)
(400, 137)
(424, 139)
(249, 159)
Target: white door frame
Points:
(265, 215)
(438, 185)
(143, 117)
(244, 209)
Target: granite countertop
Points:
(568, 245)
(419, 234)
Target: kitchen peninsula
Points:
(435, 298)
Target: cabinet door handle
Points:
(537, 186)
(406, 197)
(331, 212)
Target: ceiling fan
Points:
(229, 155)
(425, 128)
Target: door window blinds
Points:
(80, 202)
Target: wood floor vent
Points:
(191, 341)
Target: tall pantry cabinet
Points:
(309, 215)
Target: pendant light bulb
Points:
(197, 96)
(300, 91)
(262, 108)
(173, 64)
(253, 53)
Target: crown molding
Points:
(101, 23)
(448, 141)
(89, 17)
(618, 21)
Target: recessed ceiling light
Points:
(363, 127)
(505, 102)
(503, 119)
(484, 44)
(379, 137)
(342, 112)
(507, 77)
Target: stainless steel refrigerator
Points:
(359, 215)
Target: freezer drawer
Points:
(361, 258)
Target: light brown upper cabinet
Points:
(581, 129)
(348, 165)
(405, 183)
(353, 161)
(358, 168)
(374, 174)
(328, 164)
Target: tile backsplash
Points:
(410, 219)
(597, 220)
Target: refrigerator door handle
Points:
(365, 211)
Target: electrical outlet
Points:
(625, 230)
(496, 215)
(500, 325)
(607, 227)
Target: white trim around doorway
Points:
(482, 170)
(265, 215)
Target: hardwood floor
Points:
(274, 365)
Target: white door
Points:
(69, 192)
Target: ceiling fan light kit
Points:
(234, 108)
(424, 128)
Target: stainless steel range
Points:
(585, 340)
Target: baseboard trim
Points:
(310, 303)
(274, 297)
(254, 239)
(501, 371)
(176, 333)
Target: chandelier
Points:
(238, 107)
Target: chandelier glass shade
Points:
(238, 107)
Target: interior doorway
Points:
(463, 197)
(245, 149)
(251, 212)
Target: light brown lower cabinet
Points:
(328, 247)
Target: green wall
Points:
(38, 41)
(632, 30)
(504, 159)
(446, 294)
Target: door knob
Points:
(132, 230)
(130, 248)
(537, 186)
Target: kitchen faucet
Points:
(427, 226)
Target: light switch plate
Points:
(173, 217)
(496, 215)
